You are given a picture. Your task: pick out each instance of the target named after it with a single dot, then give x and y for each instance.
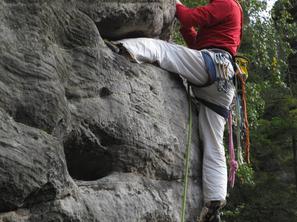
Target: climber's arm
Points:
(189, 35)
(207, 15)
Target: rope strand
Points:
(232, 163)
(246, 123)
(187, 159)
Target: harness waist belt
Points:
(210, 68)
(228, 54)
(222, 50)
(222, 111)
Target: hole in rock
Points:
(25, 116)
(86, 160)
(5, 206)
(104, 91)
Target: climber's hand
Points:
(178, 2)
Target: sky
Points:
(270, 4)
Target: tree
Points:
(272, 107)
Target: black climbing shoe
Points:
(120, 49)
(112, 46)
(211, 213)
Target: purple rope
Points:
(232, 163)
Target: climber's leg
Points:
(214, 171)
(210, 212)
(211, 130)
(187, 62)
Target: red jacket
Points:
(219, 25)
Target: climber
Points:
(206, 64)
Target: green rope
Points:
(187, 156)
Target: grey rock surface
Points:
(85, 135)
(130, 18)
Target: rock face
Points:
(85, 135)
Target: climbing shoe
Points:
(112, 46)
(210, 212)
(120, 49)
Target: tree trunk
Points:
(294, 146)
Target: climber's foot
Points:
(210, 212)
(112, 46)
(119, 48)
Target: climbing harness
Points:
(187, 159)
(220, 76)
(222, 62)
(210, 69)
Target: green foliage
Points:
(194, 3)
(176, 36)
(265, 190)
(245, 174)
(255, 102)
(272, 114)
(234, 213)
(267, 201)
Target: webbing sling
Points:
(210, 68)
(222, 111)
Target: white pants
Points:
(190, 64)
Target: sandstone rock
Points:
(32, 166)
(130, 18)
(122, 126)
